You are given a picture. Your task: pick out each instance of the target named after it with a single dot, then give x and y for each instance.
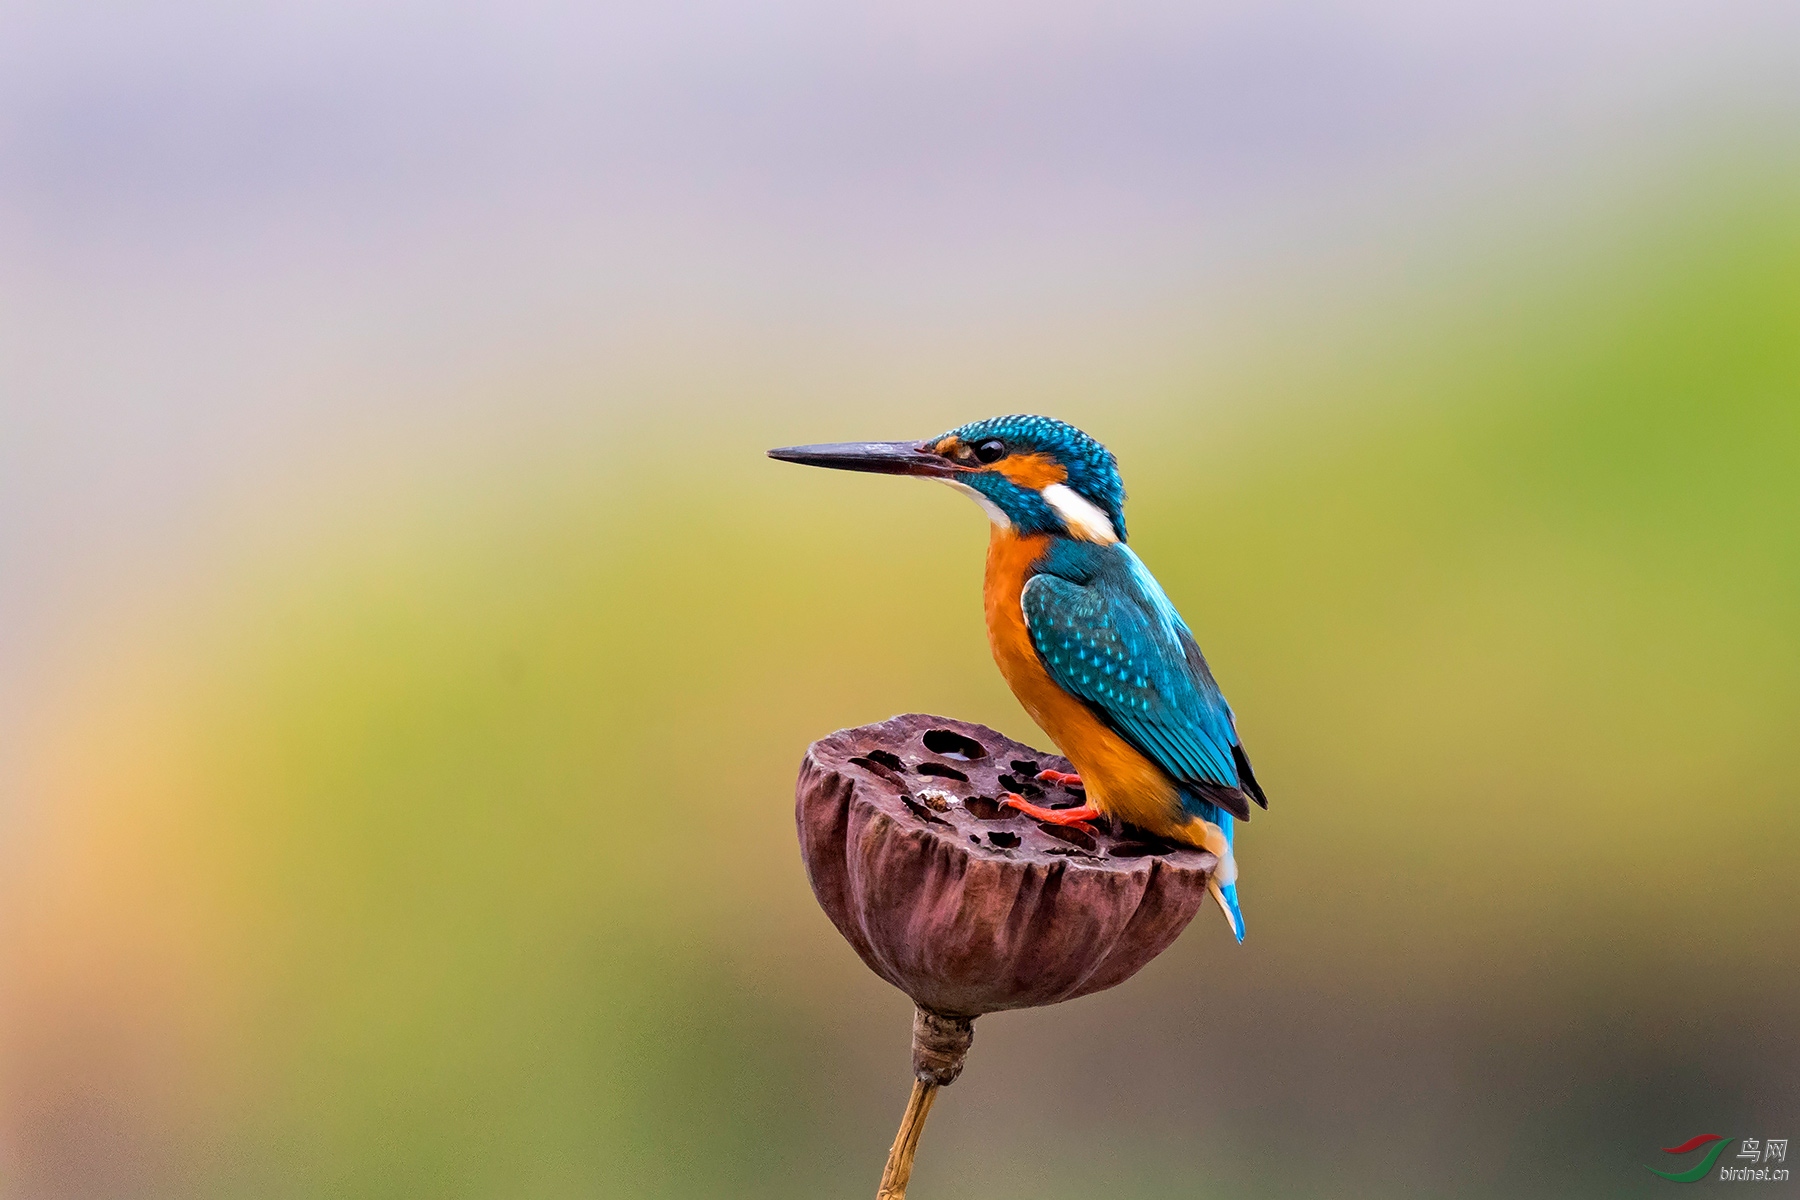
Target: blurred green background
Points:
(405, 809)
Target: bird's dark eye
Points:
(991, 451)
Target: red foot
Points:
(1078, 817)
(1066, 778)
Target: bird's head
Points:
(1031, 474)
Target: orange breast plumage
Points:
(1119, 781)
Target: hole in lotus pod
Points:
(1024, 766)
(1021, 786)
(975, 839)
(941, 770)
(952, 744)
(987, 808)
(887, 759)
(879, 768)
(920, 811)
(1071, 852)
(1006, 841)
(1136, 850)
(1070, 834)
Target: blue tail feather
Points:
(1228, 896)
(1229, 891)
(1234, 914)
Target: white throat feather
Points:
(994, 512)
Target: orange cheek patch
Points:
(1034, 471)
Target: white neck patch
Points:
(993, 511)
(1079, 514)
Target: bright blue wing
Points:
(1111, 638)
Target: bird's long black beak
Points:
(881, 458)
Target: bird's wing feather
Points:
(1117, 643)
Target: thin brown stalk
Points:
(906, 1143)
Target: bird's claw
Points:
(1074, 818)
(1066, 778)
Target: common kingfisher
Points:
(1084, 634)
